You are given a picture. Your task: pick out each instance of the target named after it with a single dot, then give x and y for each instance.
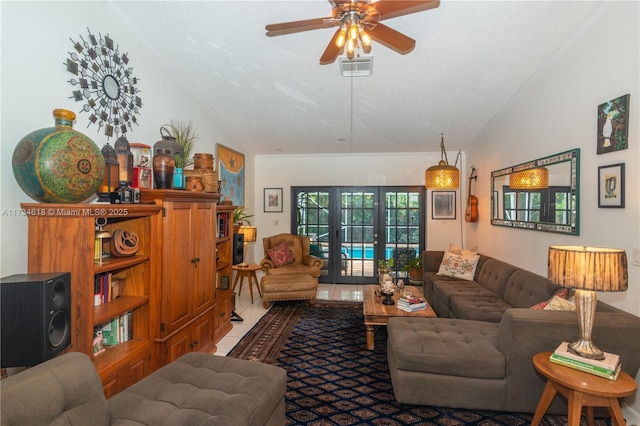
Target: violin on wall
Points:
(471, 214)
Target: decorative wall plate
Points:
(105, 83)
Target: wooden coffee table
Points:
(377, 314)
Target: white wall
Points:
(556, 111)
(285, 171)
(35, 44)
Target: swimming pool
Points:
(356, 252)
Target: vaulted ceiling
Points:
(470, 59)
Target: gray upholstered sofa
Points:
(478, 353)
(197, 388)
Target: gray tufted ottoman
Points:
(203, 389)
(446, 362)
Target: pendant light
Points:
(537, 178)
(442, 176)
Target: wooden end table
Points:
(376, 314)
(248, 272)
(580, 389)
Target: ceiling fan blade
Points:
(332, 51)
(391, 38)
(393, 8)
(299, 26)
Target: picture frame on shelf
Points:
(273, 200)
(611, 186)
(443, 205)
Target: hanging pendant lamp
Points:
(443, 175)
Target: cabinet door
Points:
(205, 243)
(203, 332)
(178, 345)
(178, 261)
(139, 367)
(114, 382)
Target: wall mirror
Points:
(541, 195)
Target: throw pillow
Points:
(559, 304)
(458, 266)
(280, 255)
(458, 250)
(562, 293)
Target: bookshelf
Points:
(61, 239)
(224, 261)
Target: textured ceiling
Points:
(470, 59)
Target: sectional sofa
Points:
(478, 353)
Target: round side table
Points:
(580, 389)
(248, 272)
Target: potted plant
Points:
(385, 265)
(414, 268)
(240, 217)
(186, 137)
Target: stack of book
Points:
(411, 303)
(609, 367)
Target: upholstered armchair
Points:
(295, 259)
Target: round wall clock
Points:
(105, 83)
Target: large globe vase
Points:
(58, 164)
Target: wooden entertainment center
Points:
(172, 286)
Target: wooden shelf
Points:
(113, 263)
(105, 311)
(222, 265)
(116, 354)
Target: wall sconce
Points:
(442, 176)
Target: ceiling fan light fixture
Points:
(364, 37)
(342, 37)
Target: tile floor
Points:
(252, 312)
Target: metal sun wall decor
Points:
(106, 84)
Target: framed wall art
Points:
(443, 205)
(613, 125)
(611, 186)
(273, 200)
(231, 174)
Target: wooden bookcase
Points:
(224, 263)
(61, 239)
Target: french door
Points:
(352, 228)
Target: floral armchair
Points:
(286, 254)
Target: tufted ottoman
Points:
(204, 389)
(447, 362)
(288, 287)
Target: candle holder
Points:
(388, 298)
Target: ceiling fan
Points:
(359, 23)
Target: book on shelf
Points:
(113, 332)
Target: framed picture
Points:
(613, 125)
(611, 186)
(443, 205)
(231, 174)
(273, 200)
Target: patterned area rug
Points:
(334, 380)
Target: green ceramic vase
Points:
(58, 164)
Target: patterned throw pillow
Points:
(459, 266)
(562, 293)
(559, 304)
(280, 255)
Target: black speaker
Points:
(36, 317)
(238, 248)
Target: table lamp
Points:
(250, 234)
(587, 269)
